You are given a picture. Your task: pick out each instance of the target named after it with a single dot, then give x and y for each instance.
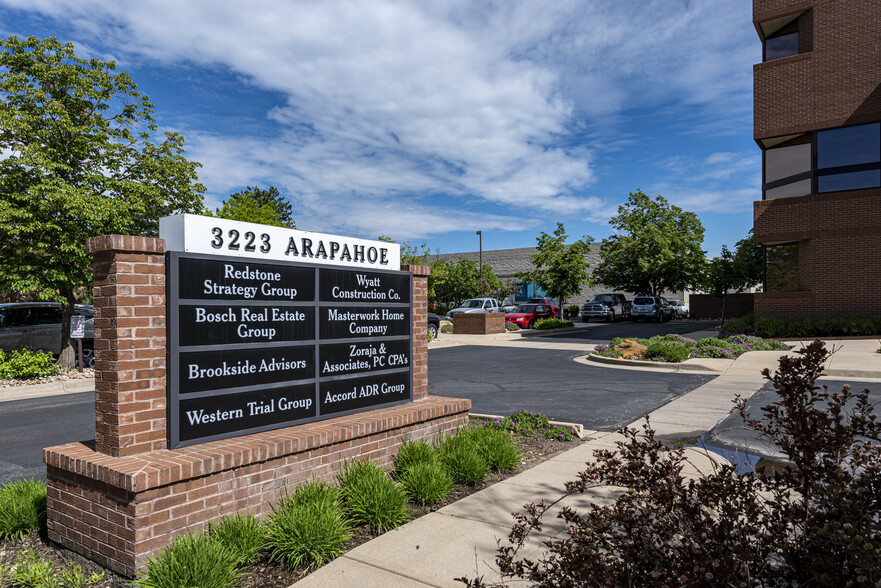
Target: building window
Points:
(849, 158)
(781, 267)
(787, 169)
(834, 160)
(783, 41)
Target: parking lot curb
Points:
(576, 429)
(48, 389)
(665, 366)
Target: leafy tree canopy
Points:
(456, 282)
(656, 248)
(734, 271)
(255, 205)
(560, 269)
(78, 160)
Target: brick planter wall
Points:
(478, 323)
(124, 496)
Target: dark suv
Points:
(37, 326)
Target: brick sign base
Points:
(478, 323)
(123, 497)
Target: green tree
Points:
(656, 248)
(734, 271)
(560, 269)
(79, 161)
(459, 281)
(255, 205)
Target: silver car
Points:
(651, 307)
(37, 326)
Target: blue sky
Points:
(431, 120)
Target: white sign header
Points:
(204, 234)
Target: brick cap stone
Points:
(417, 270)
(125, 243)
(144, 471)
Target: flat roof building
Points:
(817, 109)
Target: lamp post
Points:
(480, 258)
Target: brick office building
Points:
(817, 114)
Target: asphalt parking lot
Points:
(598, 332)
(501, 380)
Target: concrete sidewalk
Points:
(461, 539)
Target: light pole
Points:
(480, 258)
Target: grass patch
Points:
(242, 535)
(22, 508)
(371, 497)
(308, 528)
(414, 452)
(191, 561)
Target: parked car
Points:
(526, 315)
(37, 326)
(555, 306)
(651, 307)
(608, 307)
(680, 307)
(478, 305)
(433, 325)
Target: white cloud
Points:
(391, 103)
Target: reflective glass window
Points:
(784, 162)
(781, 267)
(782, 46)
(849, 181)
(48, 316)
(849, 146)
(14, 317)
(800, 188)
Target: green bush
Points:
(191, 561)
(462, 459)
(413, 452)
(426, 482)
(844, 325)
(497, 449)
(22, 508)
(573, 310)
(25, 364)
(308, 528)
(552, 323)
(744, 325)
(242, 535)
(523, 422)
(559, 433)
(512, 327)
(668, 351)
(441, 309)
(446, 328)
(371, 497)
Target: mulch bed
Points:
(263, 574)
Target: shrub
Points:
(371, 497)
(441, 309)
(447, 328)
(669, 351)
(523, 422)
(558, 433)
(241, 535)
(462, 460)
(308, 528)
(512, 327)
(552, 323)
(22, 508)
(744, 324)
(191, 561)
(497, 449)
(414, 452)
(573, 309)
(25, 364)
(426, 482)
(814, 523)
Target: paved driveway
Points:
(501, 380)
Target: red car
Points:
(555, 307)
(527, 314)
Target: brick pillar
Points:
(420, 329)
(129, 298)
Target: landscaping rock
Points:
(630, 348)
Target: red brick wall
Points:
(129, 298)
(419, 357)
(119, 511)
(478, 323)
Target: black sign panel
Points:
(348, 322)
(344, 286)
(233, 324)
(225, 368)
(257, 346)
(244, 280)
(211, 416)
(350, 358)
(355, 393)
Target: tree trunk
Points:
(724, 298)
(67, 358)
